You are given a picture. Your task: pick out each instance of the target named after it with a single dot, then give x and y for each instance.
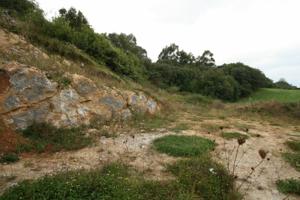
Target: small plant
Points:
(9, 158)
(289, 186)
(186, 146)
(233, 135)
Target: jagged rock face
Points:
(28, 96)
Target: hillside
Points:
(85, 115)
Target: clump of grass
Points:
(205, 178)
(113, 182)
(9, 158)
(289, 186)
(293, 159)
(185, 146)
(294, 145)
(45, 137)
(180, 127)
(233, 135)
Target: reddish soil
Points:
(4, 81)
(8, 139)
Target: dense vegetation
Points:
(174, 68)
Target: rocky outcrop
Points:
(27, 96)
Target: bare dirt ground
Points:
(137, 152)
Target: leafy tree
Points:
(75, 18)
(283, 84)
(172, 55)
(206, 59)
(249, 79)
(20, 6)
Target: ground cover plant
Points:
(186, 146)
(289, 186)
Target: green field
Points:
(268, 94)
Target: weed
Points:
(9, 158)
(289, 186)
(186, 146)
(233, 135)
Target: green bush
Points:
(289, 186)
(9, 158)
(45, 137)
(186, 146)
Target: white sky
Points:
(264, 34)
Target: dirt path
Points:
(136, 151)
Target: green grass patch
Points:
(279, 95)
(205, 178)
(293, 159)
(183, 146)
(289, 186)
(9, 158)
(233, 135)
(45, 137)
(294, 145)
(180, 127)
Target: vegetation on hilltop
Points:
(175, 68)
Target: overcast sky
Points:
(264, 34)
